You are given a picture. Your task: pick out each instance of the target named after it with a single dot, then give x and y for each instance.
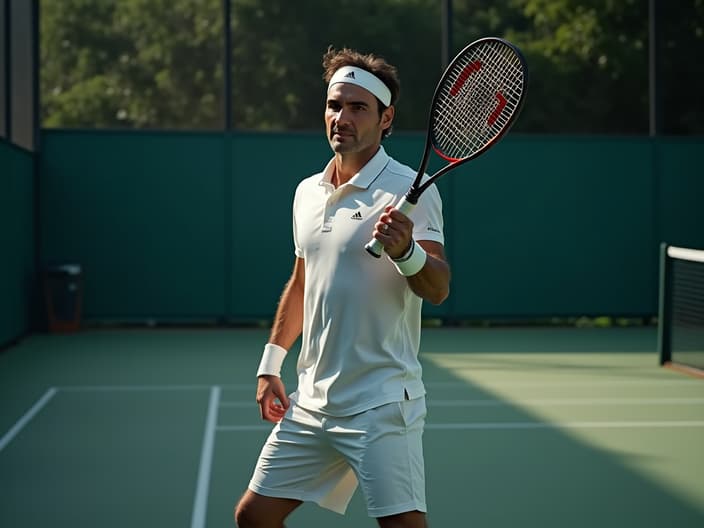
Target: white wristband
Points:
(412, 263)
(272, 359)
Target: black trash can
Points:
(63, 291)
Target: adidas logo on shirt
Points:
(356, 216)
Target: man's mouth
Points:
(342, 133)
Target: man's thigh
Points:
(297, 462)
(388, 457)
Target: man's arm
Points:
(288, 322)
(430, 282)
(288, 325)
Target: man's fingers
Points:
(272, 399)
(395, 220)
(395, 214)
(273, 415)
(272, 409)
(279, 392)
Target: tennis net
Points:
(681, 308)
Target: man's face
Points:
(352, 119)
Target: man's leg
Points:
(258, 511)
(412, 519)
(388, 461)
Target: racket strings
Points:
(471, 125)
(477, 99)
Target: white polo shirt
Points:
(361, 324)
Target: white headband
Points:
(360, 77)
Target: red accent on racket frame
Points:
(445, 156)
(499, 108)
(471, 68)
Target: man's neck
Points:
(347, 165)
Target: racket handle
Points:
(376, 248)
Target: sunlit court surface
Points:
(528, 427)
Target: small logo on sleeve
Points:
(356, 216)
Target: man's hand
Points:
(394, 230)
(271, 398)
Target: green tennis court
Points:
(526, 427)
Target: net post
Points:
(665, 307)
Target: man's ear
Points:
(387, 117)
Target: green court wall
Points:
(17, 242)
(178, 226)
(143, 215)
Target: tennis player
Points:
(358, 413)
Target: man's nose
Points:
(342, 116)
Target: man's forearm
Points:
(432, 282)
(288, 321)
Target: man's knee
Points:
(255, 511)
(247, 513)
(411, 519)
(244, 517)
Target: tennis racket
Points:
(478, 98)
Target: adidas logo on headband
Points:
(350, 75)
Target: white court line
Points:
(200, 503)
(561, 425)
(511, 425)
(558, 383)
(138, 388)
(547, 402)
(133, 388)
(429, 384)
(558, 402)
(31, 413)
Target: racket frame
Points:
(410, 199)
(417, 188)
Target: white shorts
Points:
(313, 457)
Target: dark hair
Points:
(334, 59)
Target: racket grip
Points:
(376, 248)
